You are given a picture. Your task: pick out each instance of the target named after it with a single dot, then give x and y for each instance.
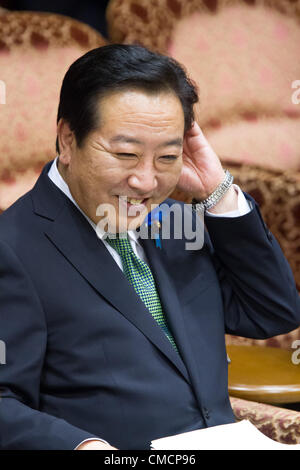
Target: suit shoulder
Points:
(15, 217)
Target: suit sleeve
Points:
(259, 293)
(24, 332)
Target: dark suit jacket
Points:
(85, 358)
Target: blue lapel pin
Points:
(154, 221)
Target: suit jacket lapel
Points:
(74, 237)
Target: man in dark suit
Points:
(112, 341)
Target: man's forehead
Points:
(138, 104)
(128, 117)
(123, 138)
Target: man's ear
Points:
(66, 140)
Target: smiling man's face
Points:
(136, 154)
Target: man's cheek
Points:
(173, 181)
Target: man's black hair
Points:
(119, 67)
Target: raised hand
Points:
(202, 170)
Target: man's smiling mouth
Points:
(133, 201)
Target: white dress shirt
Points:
(56, 178)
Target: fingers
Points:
(195, 129)
(195, 139)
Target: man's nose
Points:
(143, 178)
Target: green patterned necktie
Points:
(140, 276)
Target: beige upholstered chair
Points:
(278, 195)
(244, 56)
(35, 51)
(280, 424)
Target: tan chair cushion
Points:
(244, 56)
(36, 50)
(280, 424)
(278, 194)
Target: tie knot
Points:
(121, 244)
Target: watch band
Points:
(215, 196)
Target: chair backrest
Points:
(278, 195)
(36, 50)
(244, 56)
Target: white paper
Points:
(235, 436)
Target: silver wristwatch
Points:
(214, 198)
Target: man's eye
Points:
(169, 157)
(125, 154)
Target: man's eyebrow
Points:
(132, 140)
(177, 142)
(124, 139)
